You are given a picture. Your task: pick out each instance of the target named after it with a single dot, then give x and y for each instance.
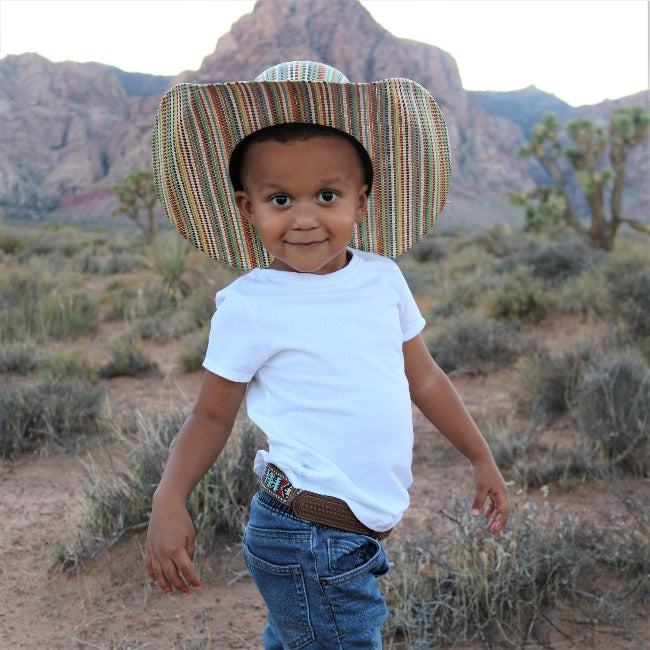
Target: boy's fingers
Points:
(156, 573)
(500, 511)
(189, 545)
(185, 569)
(477, 504)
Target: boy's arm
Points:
(170, 538)
(434, 394)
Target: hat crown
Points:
(302, 71)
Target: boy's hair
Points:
(292, 132)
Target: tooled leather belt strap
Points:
(317, 508)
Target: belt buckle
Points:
(275, 483)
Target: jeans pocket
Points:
(283, 590)
(350, 558)
(347, 554)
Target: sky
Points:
(583, 51)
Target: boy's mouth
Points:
(306, 244)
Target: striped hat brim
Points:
(396, 120)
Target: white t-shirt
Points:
(322, 355)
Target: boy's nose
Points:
(305, 219)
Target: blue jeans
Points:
(319, 583)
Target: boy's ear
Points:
(362, 204)
(244, 205)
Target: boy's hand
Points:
(170, 549)
(489, 485)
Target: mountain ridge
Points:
(73, 129)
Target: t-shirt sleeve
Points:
(235, 347)
(411, 319)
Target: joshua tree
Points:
(136, 192)
(551, 204)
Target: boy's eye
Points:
(280, 200)
(327, 196)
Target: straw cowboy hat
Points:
(396, 121)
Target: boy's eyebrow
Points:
(323, 182)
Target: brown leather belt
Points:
(317, 508)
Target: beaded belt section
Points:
(318, 508)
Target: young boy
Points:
(304, 177)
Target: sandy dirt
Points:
(111, 603)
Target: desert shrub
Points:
(38, 301)
(12, 242)
(193, 351)
(628, 258)
(167, 256)
(118, 501)
(128, 359)
(421, 278)
(565, 471)
(105, 262)
(612, 409)
(164, 325)
(64, 241)
(131, 298)
(468, 259)
(68, 313)
(200, 304)
(499, 241)
(73, 363)
(468, 586)
(429, 249)
(532, 465)
(583, 294)
(22, 291)
(18, 357)
(55, 414)
(553, 261)
(464, 292)
(473, 343)
(520, 297)
(630, 297)
(465, 587)
(547, 383)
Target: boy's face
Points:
(304, 199)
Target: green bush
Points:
(473, 343)
(612, 409)
(520, 297)
(55, 414)
(128, 360)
